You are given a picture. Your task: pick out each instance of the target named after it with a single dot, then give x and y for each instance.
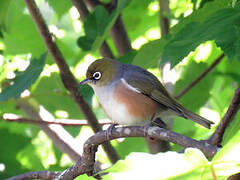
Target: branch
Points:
(105, 50)
(46, 175)
(120, 37)
(164, 21)
(200, 77)
(82, 9)
(64, 122)
(217, 136)
(85, 165)
(59, 136)
(67, 77)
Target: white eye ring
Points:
(97, 75)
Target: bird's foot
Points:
(158, 122)
(155, 122)
(109, 131)
(146, 127)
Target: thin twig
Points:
(46, 175)
(200, 77)
(85, 165)
(217, 136)
(64, 122)
(67, 77)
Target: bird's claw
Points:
(109, 131)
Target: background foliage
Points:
(200, 32)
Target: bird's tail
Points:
(198, 119)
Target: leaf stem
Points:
(64, 122)
(200, 77)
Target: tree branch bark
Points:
(64, 122)
(217, 136)
(46, 175)
(120, 37)
(164, 21)
(67, 77)
(85, 165)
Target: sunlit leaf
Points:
(24, 79)
(61, 7)
(226, 161)
(3, 12)
(131, 145)
(222, 26)
(152, 53)
(159, 166)
(55, 92)
(149, 55)
(21, 36)
(10, 141)
(128, 58)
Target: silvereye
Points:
(131, 95)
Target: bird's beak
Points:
(85, 81)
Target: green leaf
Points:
(190, 165)
(200, 92)
(124, 149)
(222, 26)
(29, 158)
(128, 58)
(21, 36)
(3, 12)
(11, 144)
(3, 71)
(97, 26)
(4, 4)
(138, 19)
(24, 79)
(227, 161)
(203, 2)
(57, 93)
(149, 55)
(145, 166)
(60, 7)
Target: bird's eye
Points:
(97, 75)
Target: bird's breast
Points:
(125, 105)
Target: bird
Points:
(131, 95)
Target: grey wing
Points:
(148, 84)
